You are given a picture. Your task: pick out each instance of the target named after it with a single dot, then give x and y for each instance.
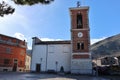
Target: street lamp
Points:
(56, 65)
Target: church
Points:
(67, 56)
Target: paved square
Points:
(39, 76)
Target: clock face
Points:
(80, 34)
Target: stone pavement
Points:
(38, 76)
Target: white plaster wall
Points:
(38, 53)
(62, 54)
(58, 52)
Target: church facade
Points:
(68, 56)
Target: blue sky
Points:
(52, 22)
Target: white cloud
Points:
(20, 36)
(96, 40)
(49, 39)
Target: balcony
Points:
(11, 43)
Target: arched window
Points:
(79, 21)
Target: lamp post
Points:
(56, 65)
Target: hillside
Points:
(29, 52)
(107, 47)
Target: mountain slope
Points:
(107, 47)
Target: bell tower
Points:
(80, 40)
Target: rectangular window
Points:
(80, 46)
(8, 50)
(6, 61)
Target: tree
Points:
(6, 9)
(32, 2)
